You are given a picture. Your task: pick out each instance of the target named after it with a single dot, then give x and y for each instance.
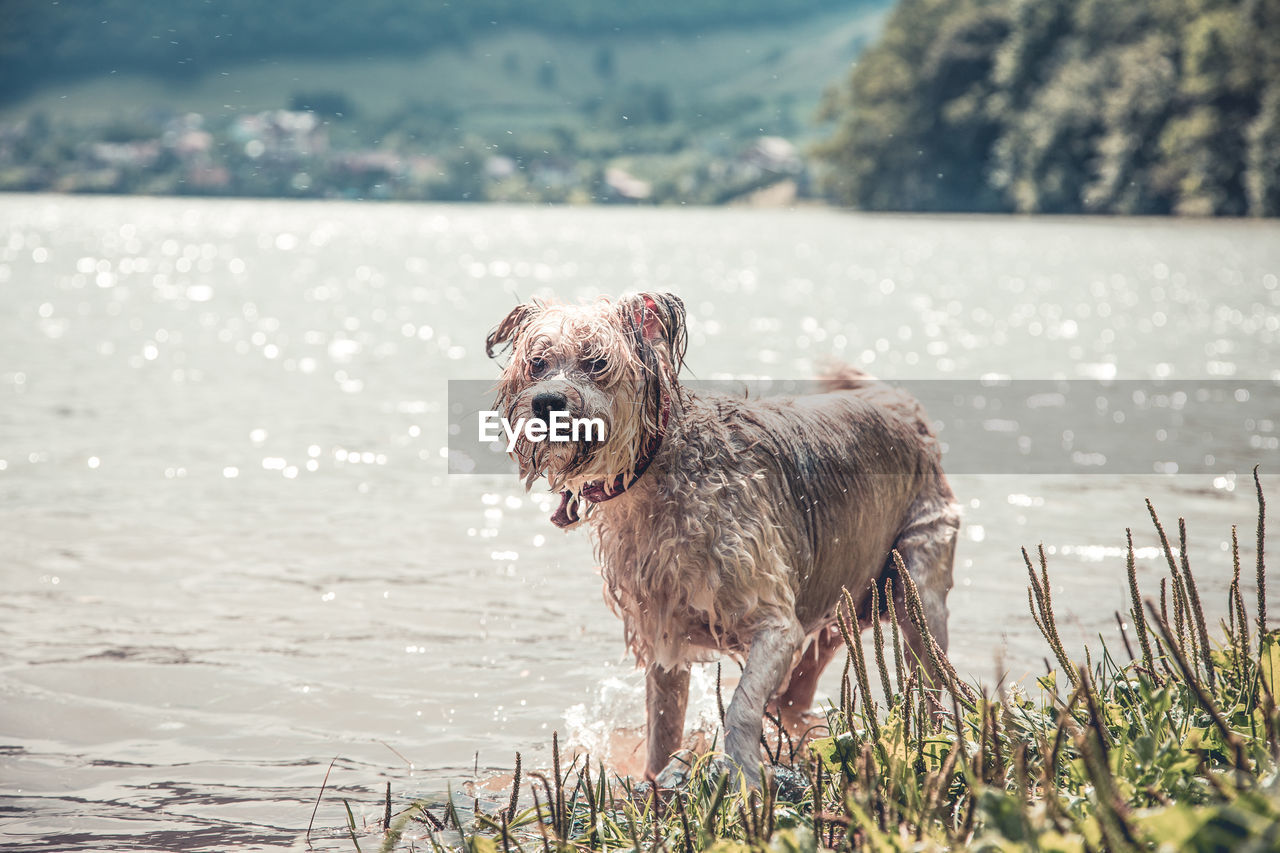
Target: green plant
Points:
(1176, 750)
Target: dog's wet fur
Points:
(747, 517)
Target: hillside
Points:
(677, 108)
(42, 41)
(498, 73)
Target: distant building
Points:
(626, 186)
(774, 154)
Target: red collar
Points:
(596, 492)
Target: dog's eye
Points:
(537, 366)
(597, 366)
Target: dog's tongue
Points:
(567, 514)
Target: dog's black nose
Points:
(547, 402)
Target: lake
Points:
(232, 551)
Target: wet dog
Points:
(725, 524)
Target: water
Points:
(230, 550)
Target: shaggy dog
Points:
(724, 524)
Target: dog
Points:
(725, 524)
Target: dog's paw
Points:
(792, 784)
(676, 773)
(723, 765)
(789, 783)
(642, 792)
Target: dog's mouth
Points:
(563, 446)
(556, 461)
(574, 504)
(591, 462)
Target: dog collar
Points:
(596, 492)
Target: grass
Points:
(1176, 749)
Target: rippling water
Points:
(231, 552)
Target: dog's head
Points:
(610, 360)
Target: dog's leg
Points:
(928, 551)
(803, 684)
(772, 651)
(666, 698)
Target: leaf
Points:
(1194, 739)
(1049, 682)
(1005, 812)
(481, 844)
(1248, 823)
(351, 825)
(1144, 747)
(1173, 826)
(1053, 842)
(836, 752)
(935, 749)
(726, 845)
(785, 817)
(1158, 701)
(891, 737)
(798, 840)
(1269, 661)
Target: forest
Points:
(1063, 106)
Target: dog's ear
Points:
(510, 328)
(658, 318)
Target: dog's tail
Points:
(837, 376)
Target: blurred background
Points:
(241, 259)
(1053, 106)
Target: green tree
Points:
(1263, 160)
(913, 128)
(1063, 106)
